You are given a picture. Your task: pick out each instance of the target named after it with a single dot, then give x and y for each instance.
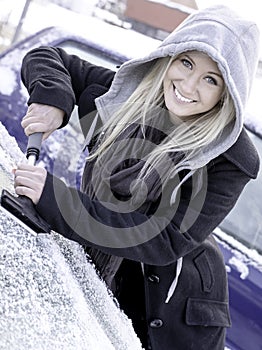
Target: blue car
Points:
(240, 234)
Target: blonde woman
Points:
(168, 159)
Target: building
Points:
(157, 18)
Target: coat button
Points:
(153, 278)
(156, 323)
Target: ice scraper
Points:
(21, 206)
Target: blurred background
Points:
(155, 18)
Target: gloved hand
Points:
(42, 118)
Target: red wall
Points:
(154, 14)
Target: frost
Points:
(9, 147)
(243, 256)
(50, 294)
(10, 155)
(7, 81)
(240, 266)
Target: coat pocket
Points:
(203, 312)
(203, 266)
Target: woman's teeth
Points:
(182, 98)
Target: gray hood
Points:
(229, 40)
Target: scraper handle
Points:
(33, 147)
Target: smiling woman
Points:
(165, 135)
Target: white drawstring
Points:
(178, 187)
(174, 283)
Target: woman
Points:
(166, 165)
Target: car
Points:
(239, 235)
(97, 50)
(240, 239)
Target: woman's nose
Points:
(190, 84)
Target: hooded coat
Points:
(170, 277)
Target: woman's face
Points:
(193, 84)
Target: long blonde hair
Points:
(147, 98)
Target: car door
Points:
(240, 239)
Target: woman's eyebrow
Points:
(190, 58)
(217, 74)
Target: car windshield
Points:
(245, 220)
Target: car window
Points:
(245, 220)
(91, 54)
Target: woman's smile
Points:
(180, 97)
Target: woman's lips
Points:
(182, 98)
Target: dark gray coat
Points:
(197, 313)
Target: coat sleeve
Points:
(157, 239)
(56, 78)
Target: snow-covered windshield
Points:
(50, 295)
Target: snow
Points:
(125, 42)
(7, 81)
(50, 294)
(8, 161)
(240, 265)
(242, 256)
(119, 39)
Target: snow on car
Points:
(50, 294)
(240, 234)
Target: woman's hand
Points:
(29, 181)
(42, 118)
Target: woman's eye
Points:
(211, 80)
(186, 63)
